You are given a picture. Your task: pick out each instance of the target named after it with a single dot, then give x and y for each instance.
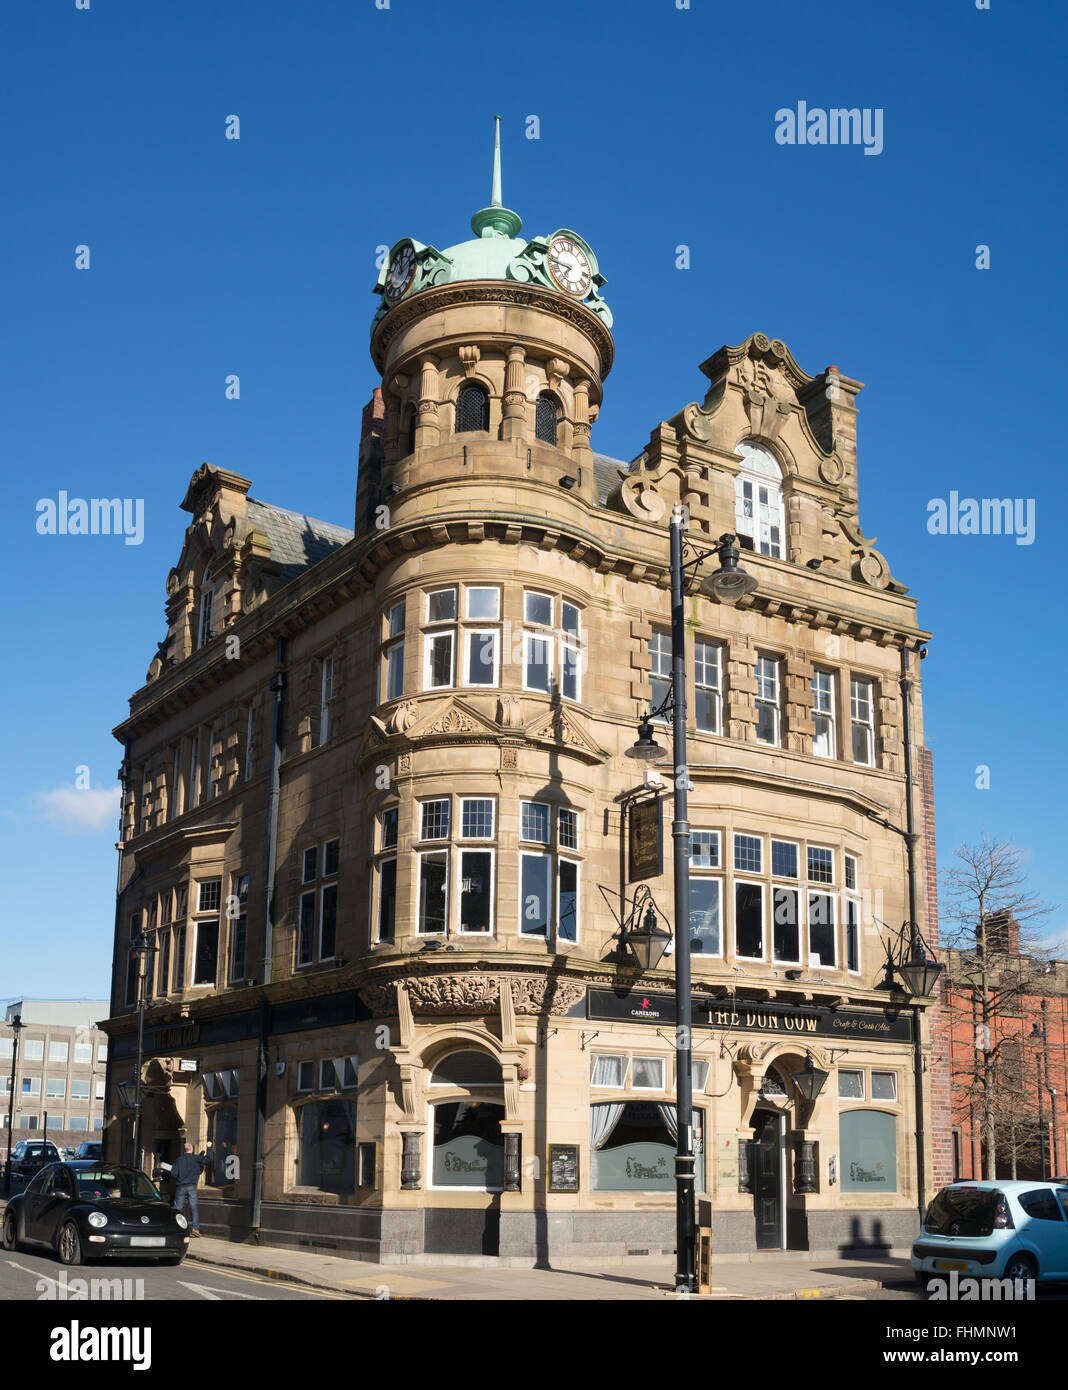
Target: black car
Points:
(87, 1149)
(29, 1156)
(91, 1211)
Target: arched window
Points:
(205, 630)
(467, 1068)
(545, 418)
(472, 408)
(412, 419)
(773, 1084)
(758, 501)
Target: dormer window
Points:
(546, 415)
(472, 408)
(205, 630)
(758, 501)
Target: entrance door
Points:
(767, 1179)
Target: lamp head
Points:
(646, 749)
(730, 583)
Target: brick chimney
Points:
(369, 460)
(1002, 933)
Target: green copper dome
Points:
(496, 252)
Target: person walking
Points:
(186, 1174)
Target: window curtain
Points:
(670, 1116)
(603, 1120)
(608, 1070)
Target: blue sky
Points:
(359, 125)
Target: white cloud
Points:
(74, 811)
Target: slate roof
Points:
(297, 541)
(606, 474)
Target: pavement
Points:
(763, 1276)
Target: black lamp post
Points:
(143, 950)
(727, 585)
(16, 1025)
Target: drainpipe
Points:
(1052, 1089)
(277, 687)
(910, 853)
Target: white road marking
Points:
(215, 1295)
(34, 1272)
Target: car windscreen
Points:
(114, 1184)
(963, 1212)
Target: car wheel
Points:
(1020, 1266)
(11, 1232)
(69, 1245)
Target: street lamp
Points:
(728, 584)
(811, 1080)
(143, 950)
(648, 942)
(16, 1025)
(920, 971)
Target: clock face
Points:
(401, 272)
(569, 266)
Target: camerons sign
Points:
(751, 1017)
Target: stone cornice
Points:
(437, 298)
(358, 563)
(182, 839)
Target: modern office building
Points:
(60, 1072)
(383, 832)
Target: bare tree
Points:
(992, 975)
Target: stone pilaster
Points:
(741, 691)
(514, 421)
(427, 431)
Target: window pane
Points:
(331, 855)
(767, 730)
(704, 915)
(852, 934)
(326, 1150)
(785, 929)
(851, 1085)
(433, 892)
(435, 819)
(850, 871)
(698, 1074)
(570, 668)
(608, 1070)
(534, 894)
(647, 1073)
(209, 896)
(207, 961)
(476, 871)
(567, 829)
(484, 604)
(749, 920)
(477, 818)
(783, 859)
(389, 828)
(57, 1051)
(569, 619)
(636, 1153)
(329, 923)
(534, 822)
(538, 608)
(83, 1052)
(468, 1145)
(747, 853)
(823, 738)
(395, 672)
(441, 606)
(821, 946)
(310, 866)
(869, 1151)
(538, 673)
(482, 658)
(820, 865)
(567, 910)
(704, 849)
(707, 706)
(387, 899)
(396, 619)
(306, 938)
(439, 666)
(862, 744)
(222, 1141)
(884, 1085)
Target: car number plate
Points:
(958, 1265)
(148, 1240)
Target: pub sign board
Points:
(645, 823)
(563, 1167)
(752, 1016)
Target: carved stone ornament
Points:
(403, 717)
(475, 994)
(648, 493)
(508, 711)
(453, 721)
(868, 565)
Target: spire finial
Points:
(496, 220)
(495, 189)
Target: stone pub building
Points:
(378, 808)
